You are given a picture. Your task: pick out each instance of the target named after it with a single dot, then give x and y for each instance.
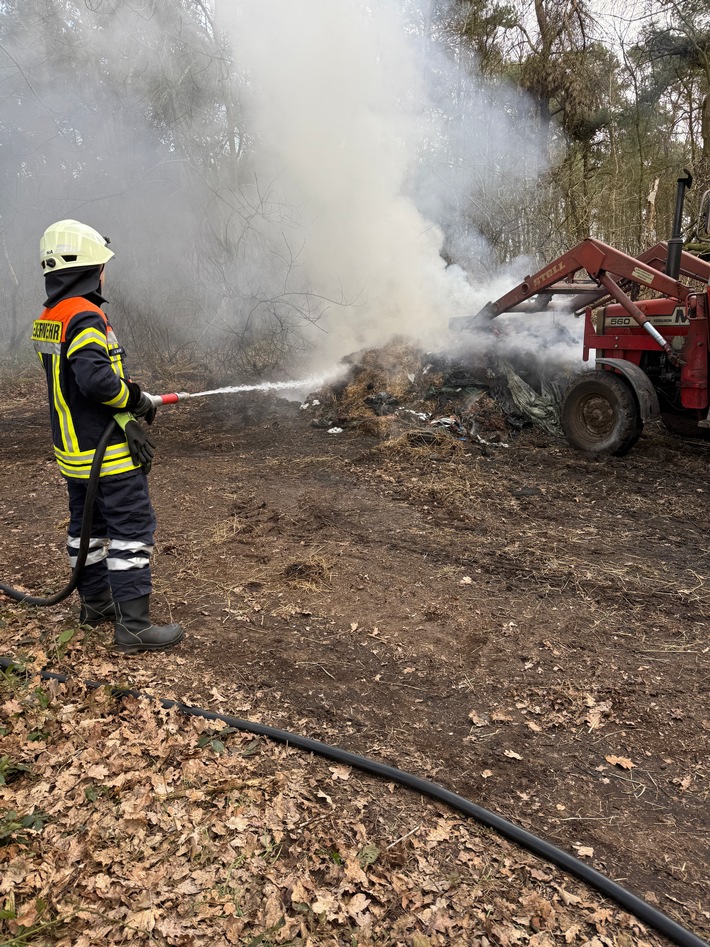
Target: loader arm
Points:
(606, 266)
(692, 267)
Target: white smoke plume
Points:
(310, 168)
(378, 142)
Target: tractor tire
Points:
(600, 414)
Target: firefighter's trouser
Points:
(121, 536)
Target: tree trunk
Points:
(650, 218)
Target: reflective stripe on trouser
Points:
(123, 513)
(94, 575)
(97, 549)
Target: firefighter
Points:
(88, 387)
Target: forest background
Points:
(284, 184)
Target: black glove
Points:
(140, 403)
(140, 445)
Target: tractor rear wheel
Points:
(600, 414)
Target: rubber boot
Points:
(134, 631)
(97, 609)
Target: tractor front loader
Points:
(652, 354)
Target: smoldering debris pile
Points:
(400, 389)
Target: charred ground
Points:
(523, 624)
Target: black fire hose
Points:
(532, 843)
(545, 850)
(85, 535)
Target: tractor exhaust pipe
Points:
(675, 244)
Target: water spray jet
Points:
(177, 396)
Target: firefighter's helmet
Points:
(69, 243)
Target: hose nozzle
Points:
(172, 398)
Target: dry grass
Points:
(397, 369)
(310, 574)
(416, 445)
(380, 427)
(299, 462)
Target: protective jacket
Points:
(86, 380)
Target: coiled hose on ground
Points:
(514, 833)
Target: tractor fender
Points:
(646, 395)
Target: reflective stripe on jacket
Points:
(85, 379)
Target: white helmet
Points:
(69, 243)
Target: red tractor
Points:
(652, 354)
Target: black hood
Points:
(76, 281)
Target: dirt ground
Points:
(524, 625)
